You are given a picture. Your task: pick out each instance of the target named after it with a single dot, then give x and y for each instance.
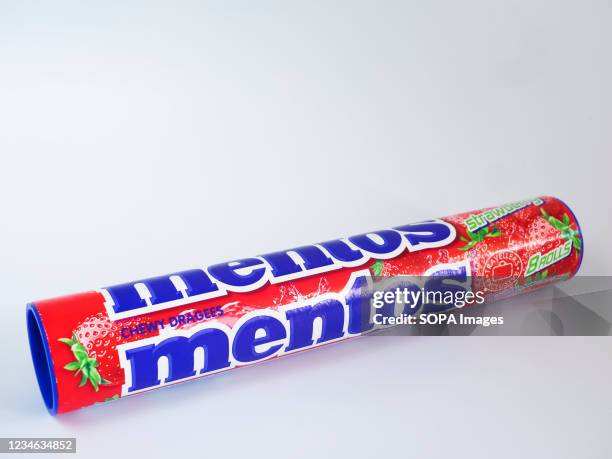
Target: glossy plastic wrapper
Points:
(129, 338)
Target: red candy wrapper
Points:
(130, 338)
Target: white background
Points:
(138, 138)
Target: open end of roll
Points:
(41, 357)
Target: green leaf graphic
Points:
(565, 227)
(72, 366)
(377, 267)
(479, 236)
(83, 364)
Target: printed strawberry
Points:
(551, 233)
(94, 345)
(540, 230)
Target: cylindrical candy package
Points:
(129, 338)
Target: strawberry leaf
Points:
(495, 232)
(80, 355)
(95, 376)
(577, 243)
(72, 366)
(84, 364)
(468, 246)
(377, 267)
(566, 219)
(78, 347)
(482, 232)
(556, 223)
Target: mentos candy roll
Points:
(130, 338)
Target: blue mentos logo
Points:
(247, 274)
(262, 334)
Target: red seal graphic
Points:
(502, 270)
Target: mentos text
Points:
(247, 274)
(212, 346)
